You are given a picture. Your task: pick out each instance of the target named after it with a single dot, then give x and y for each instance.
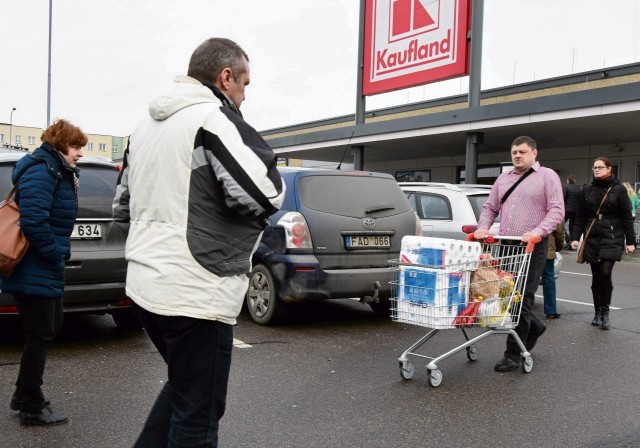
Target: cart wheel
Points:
(406, 371)
(435, 378)
(472, 353)
(527, 364)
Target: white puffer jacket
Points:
(197, 184)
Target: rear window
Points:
(477, 202)
(95, 194)
(354, 196)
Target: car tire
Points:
(381, 308)
(126, 321)
(263, 303)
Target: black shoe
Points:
(553, 316)
(506, 365)
(16, 403)
(532, 340)
(597, 320)
(43, 418)
(605, 322)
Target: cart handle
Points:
(491, 239)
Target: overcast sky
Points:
(110, 57)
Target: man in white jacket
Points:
(196, 187)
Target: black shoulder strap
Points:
(513, 187)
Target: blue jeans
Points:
(193, 400)
(549, 288)
(529, 326)
(41, 319)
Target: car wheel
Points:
(262, 298)
(125, 320)
(381, 308)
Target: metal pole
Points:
(49, 72)
(11, 126)
(474, 139)
(360, 98)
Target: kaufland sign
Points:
(414, 42)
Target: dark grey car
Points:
(96, 273)
(333, 238)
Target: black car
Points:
(96, 273)
(333, 238)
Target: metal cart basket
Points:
(484, 291)
(636, 229)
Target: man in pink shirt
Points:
(534, 207)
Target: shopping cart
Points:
(636, 229)
(481, 292)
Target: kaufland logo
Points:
(410, 36)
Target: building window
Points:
(32, 140)
(18, 139)
(114, 148)
(1, 137)
(90, 146)
(102, 147)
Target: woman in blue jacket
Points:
(47, 194)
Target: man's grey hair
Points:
(213, 55)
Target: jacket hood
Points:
(44, 154)
(184, 92)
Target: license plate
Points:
(86, 232)
(367, 242)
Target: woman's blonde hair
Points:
(630, 191)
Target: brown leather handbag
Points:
(13, 243)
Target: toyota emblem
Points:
(368, 223)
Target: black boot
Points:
(605, 317)
(597, 319)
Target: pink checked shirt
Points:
(536, 205)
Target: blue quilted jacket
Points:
(47, 198)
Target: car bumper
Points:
(301, 278)
(97, 298)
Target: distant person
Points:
(571, 194)
(197, 187)
(635, 201)
(556, 240)
(47, 193)
(606, 240)
(534, 208)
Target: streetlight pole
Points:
(49, 73)
(11, 125)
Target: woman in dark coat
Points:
(47, 182)
(606, 241)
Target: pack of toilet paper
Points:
(433, 279)
(439, 252)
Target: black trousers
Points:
(198, 357)
(530, 326)
(41, 319)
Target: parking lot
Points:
(330, 378)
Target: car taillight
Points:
(469, 229)
(8, 309)
(297, 234)
(123, 302)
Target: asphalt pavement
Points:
(330, 378)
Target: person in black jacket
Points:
(571, 194)
(606, 240)
(47, 193)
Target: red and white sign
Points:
(414, 42)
